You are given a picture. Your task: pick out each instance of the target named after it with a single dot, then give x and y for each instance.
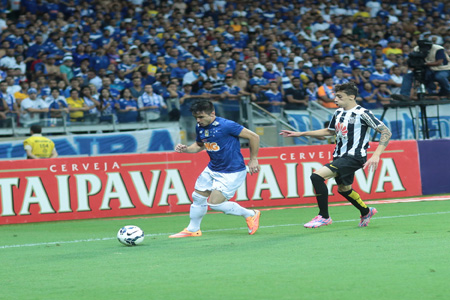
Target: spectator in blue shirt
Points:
(258, 79)
(270, 74)
(127, 107)
(180, 70)
(345, 66)
(160, 86)
(369, 97)
(379, 76)
(57, 105)
(171, 57)
(105, 40)
(230, 95)
(99, 60)
(107, 106)
(37, 46)
(275, 98)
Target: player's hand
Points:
(253, 166)
(372, 163)
(180, 148)
(288, 133)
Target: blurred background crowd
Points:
(127, 61)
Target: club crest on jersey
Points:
(352, 120)
(206, 133)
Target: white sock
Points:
(199, 208)
(232, 208)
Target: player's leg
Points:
(198, 209)
(353, 197)
(219, 202)
(199, 206)
(224, 187)
(347, 168)
(318, 180)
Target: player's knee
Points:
(344, 189)
(316, 178)
(199, 199)
(216, 201)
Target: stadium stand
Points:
(80, 56)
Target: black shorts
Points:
(346, 167)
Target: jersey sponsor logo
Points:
(212, 146)
(341, 129)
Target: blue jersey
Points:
(221, 140)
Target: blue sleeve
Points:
(440, 54)
(233, 128)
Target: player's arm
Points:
(253, 138)
(314, 133)
(372, 163)
(30, 155)
(54, 153)
(28, 149)
(194, 148)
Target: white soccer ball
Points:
(130, 235)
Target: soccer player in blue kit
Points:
(226, 170)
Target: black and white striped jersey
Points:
(352, 129)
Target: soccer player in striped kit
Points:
(351, 125)
(226, 170)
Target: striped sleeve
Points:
(368, 117)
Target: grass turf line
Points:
(393, 258)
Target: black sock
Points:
(354, 198)
(321, 194)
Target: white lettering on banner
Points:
(267, 174)
(146, 196)
(388, 173)
(291, 175)
(116, 189)
(64, 193)
(241, 193)
(89, 185)
(173, 178)
(35, 193)
(85, 167)
(83, 180)
(308, 155)
(6, 185)
(365, 183)
(308, 169)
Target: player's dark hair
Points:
(202, 106)
(36, 128)
(348, 88)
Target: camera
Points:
(416, 59)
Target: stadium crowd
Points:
(125, 61)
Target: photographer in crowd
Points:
(430, 62)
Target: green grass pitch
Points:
(403, 254)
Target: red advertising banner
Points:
(108, 186)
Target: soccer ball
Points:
(130, 235)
